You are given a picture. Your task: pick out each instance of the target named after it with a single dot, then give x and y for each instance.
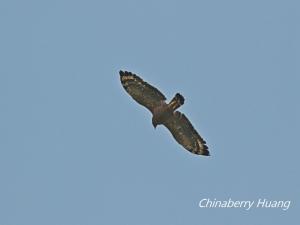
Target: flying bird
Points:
(165, 113)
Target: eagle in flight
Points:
(165, 113)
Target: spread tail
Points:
(176, 102)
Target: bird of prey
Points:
(165, 113)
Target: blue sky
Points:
(76, 149)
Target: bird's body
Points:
(163, 113)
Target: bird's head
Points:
(154, 122)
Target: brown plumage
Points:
(163, 113)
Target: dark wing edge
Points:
(185, 134)
(142, 92)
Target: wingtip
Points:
(202, 148)
(125, 73)
(206, 153)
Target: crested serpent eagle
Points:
(165, 113)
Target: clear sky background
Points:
(75, 149)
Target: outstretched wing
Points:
(185, 134)
(141, 91)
